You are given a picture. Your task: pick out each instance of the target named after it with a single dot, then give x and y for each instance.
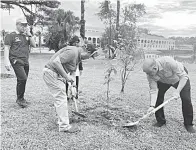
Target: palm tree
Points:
(63, 25)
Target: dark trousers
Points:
(185, 95)
(21, 70)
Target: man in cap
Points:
(16, 54)
(162, 73)
(56, 73)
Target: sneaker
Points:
(73, 129)
(190, 128)
(158, 124)
(21, 103)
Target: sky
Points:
(163, 17)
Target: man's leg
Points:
(187, 107)
(21, 75)
(160, 117)
(26, 68)
(67, 86)
(77, 82)
(77, 86)
(58, 91)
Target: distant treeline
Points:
(184, 40)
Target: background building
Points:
(93, 34)
(155, 42)
(184, 47)
(152, 45)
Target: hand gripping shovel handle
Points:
(130, 124)
(157, 108)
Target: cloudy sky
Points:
(164, 17)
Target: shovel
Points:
(132, 124)
(76, 112)
(72, 94)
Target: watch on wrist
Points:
(152, 106)
(29, 35)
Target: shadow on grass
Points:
(6, 75)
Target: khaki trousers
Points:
(57, 88)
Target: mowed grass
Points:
(35, 127)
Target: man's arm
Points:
(56, 63)
(181, 84)
(32, 41)
(153, 91)
(8, 42)
(6, 57)
(180, 72)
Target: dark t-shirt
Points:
(69, 57)
(19, 46)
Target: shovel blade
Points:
(131, 124)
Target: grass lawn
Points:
(35, 128)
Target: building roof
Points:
(152, 36)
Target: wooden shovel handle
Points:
(157, 108)
(75, 103)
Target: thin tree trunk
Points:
(82, 21)
(117, 19)
(122, 88)
(108, 88)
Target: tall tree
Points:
(82, 21)
(132, 12)
(117, 19)
(127, 42)
(27, 6)
(108, 15)
(61, 26)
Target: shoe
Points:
(21, 103)
(190, 128)
(158, 124)
(25, 101)
(73, 129)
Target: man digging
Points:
(163, 73)
(55, 75)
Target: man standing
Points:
(56, 74)
(16, 54)
(163, 73)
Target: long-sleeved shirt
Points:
(169, 72)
